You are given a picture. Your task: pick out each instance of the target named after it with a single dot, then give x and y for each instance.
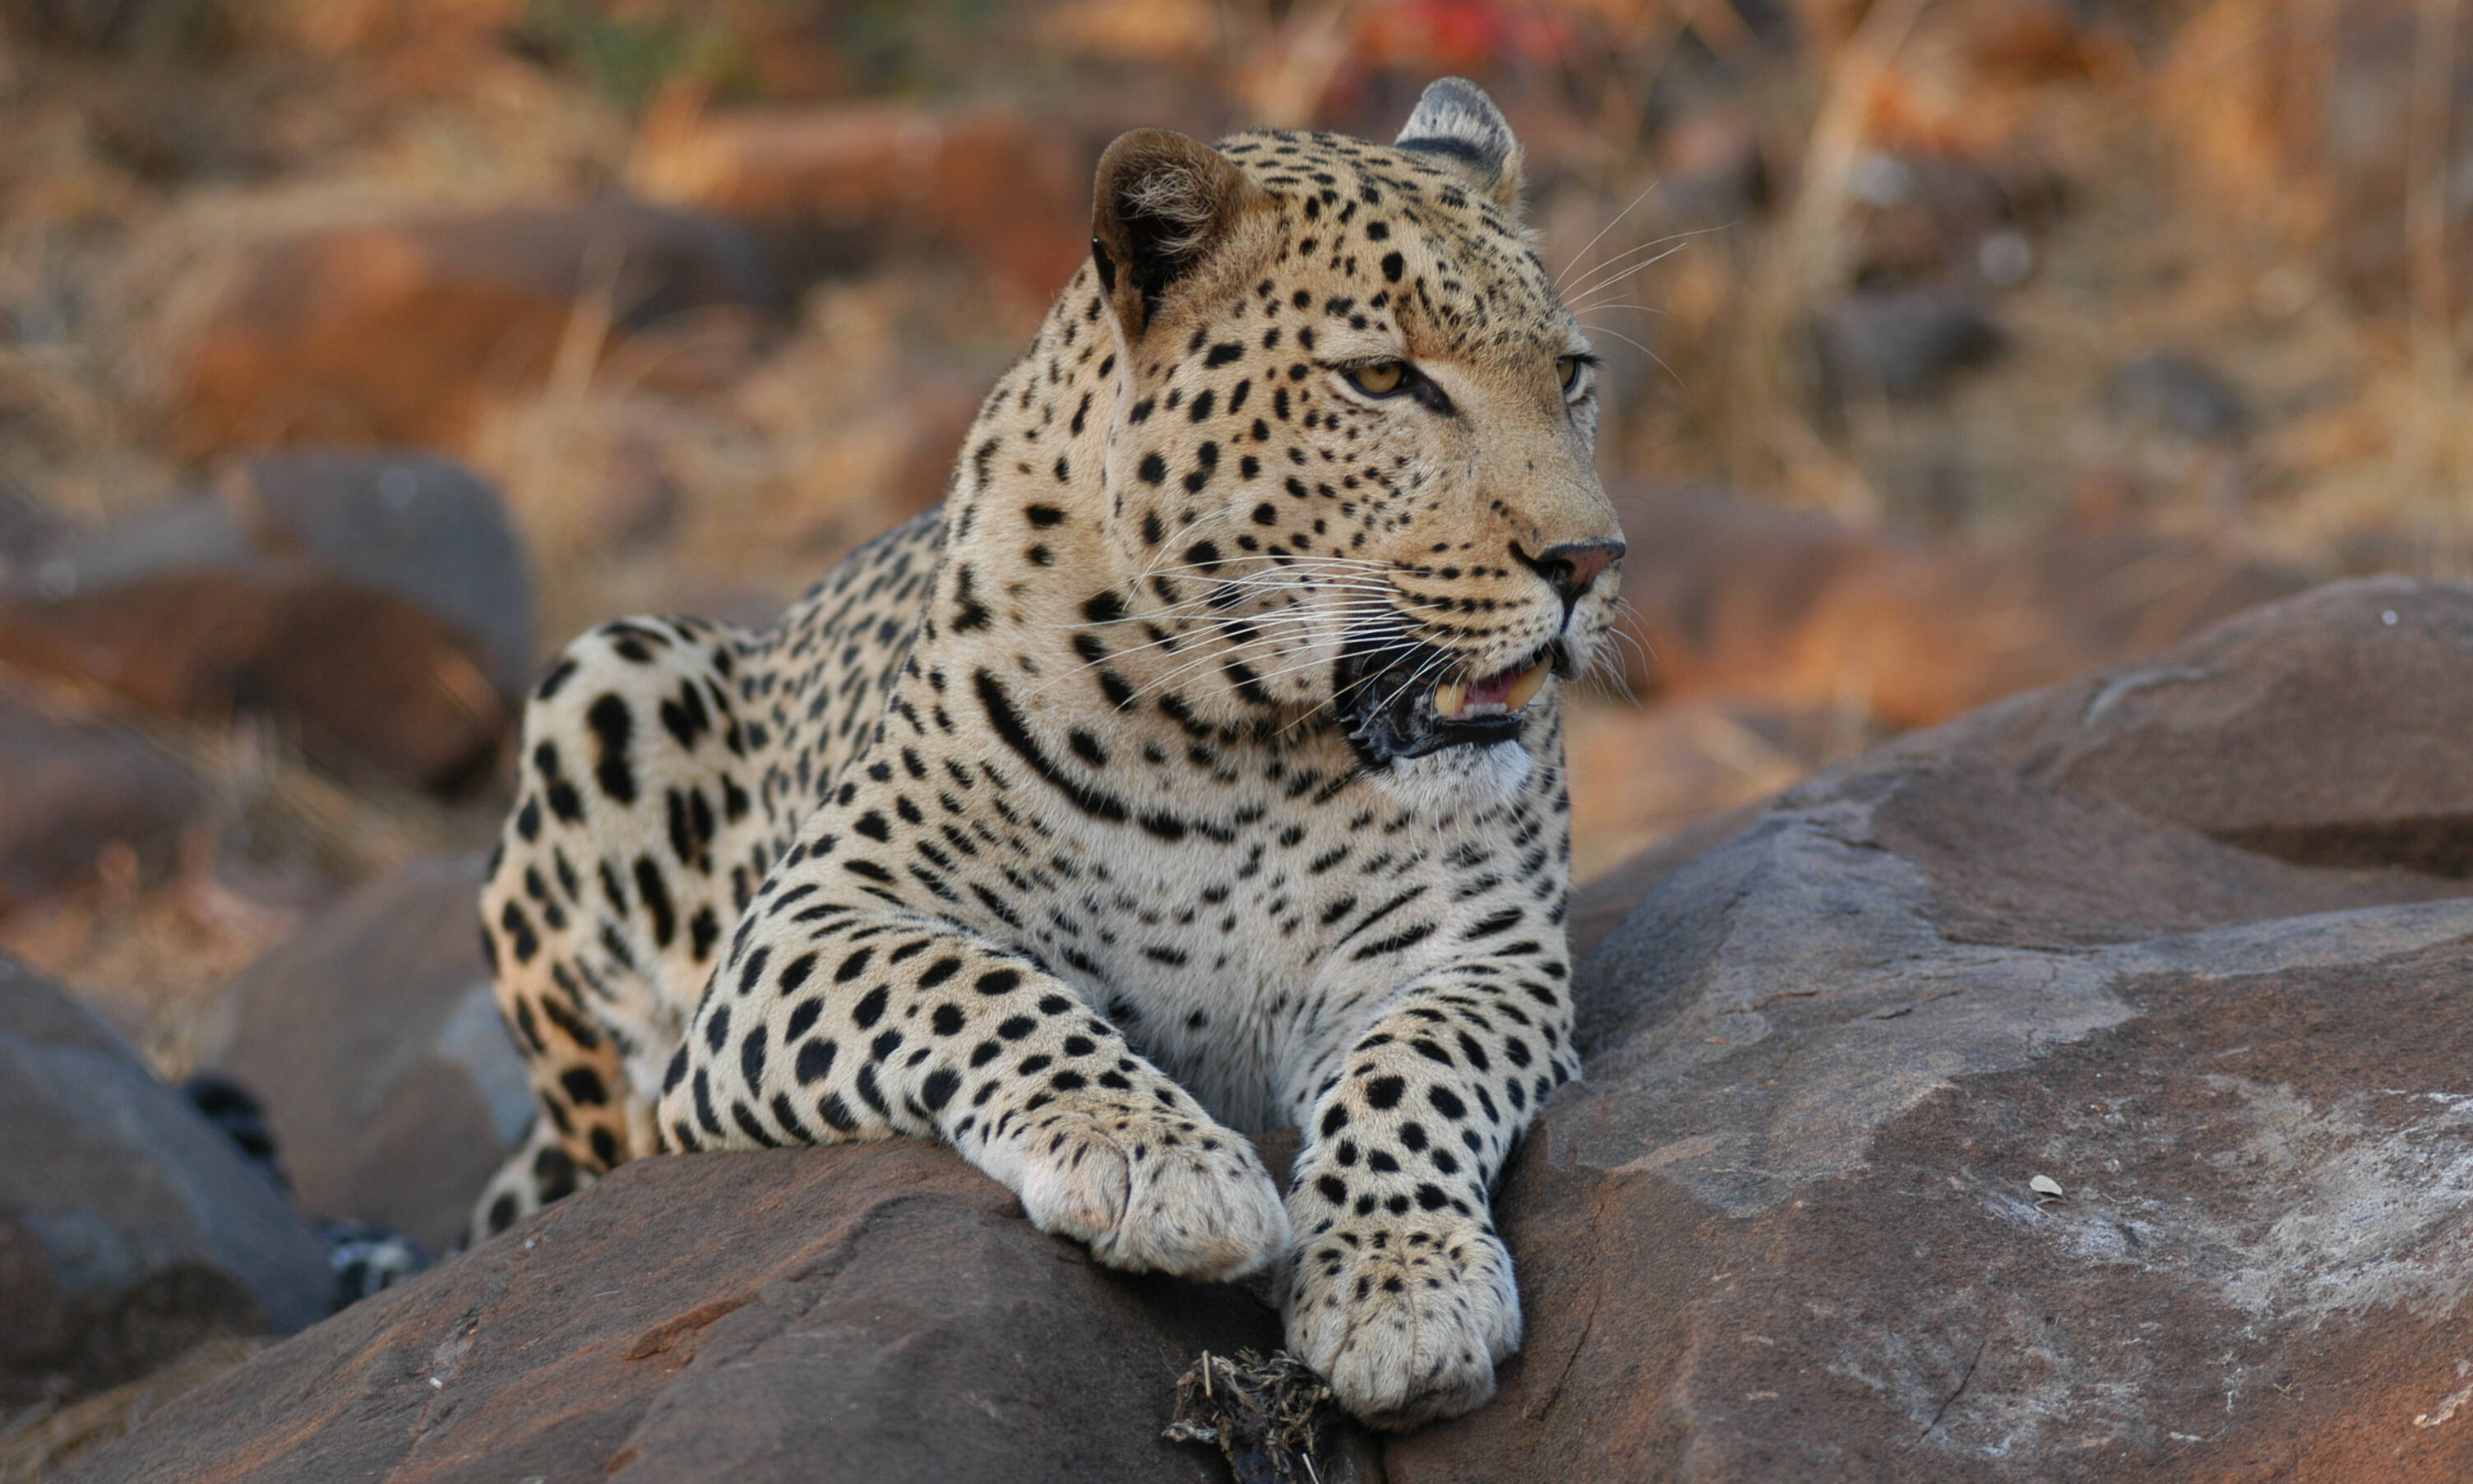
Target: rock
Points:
(129, 1231)
(2188, 939)
(382, 599)
(42, 1441)
(1903, 343)
(374, 1046)
(1797, 610)
(831, 185)
(395, 332)
(876, 1312)
(2179, 393)
(71, 789)
(421, 528)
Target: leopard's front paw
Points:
(1149, 1188)
(1405, 1320)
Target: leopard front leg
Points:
(830, 1023)
(1401, 1292)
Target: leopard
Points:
(1194, 770)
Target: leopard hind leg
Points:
(637, 836)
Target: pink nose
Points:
(1573, 566)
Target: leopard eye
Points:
(1380, 379)
(1568, 369)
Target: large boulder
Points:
(875, 1312)
(380, 599)
(131, 1230)
(2078, 1090)
(396, 331)
(374, 1046)
(2075, 1092)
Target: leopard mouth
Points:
(1389, 717)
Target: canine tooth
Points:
(1450, 698)
(1525, 688)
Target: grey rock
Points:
(130, 1229)
(373, 1043)
(1903, 343)
(2181, 394)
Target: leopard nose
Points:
(1573, 566)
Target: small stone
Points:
(1903, 343)
(2180, 394)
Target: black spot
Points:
(615, 727)
(1385, 1091)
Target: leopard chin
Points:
(1484, 773)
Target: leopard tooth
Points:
(1450, 698)
(1525, 688)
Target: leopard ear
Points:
(1456, 121)
(1162, 203)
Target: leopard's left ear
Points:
(1455, 120)
(1161, 207)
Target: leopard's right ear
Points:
(1163, 202)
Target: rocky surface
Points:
(373, 1043)
(382, 599)
(2077, 1091)
(2184, 940)
(874, 1312)
(130, 1230)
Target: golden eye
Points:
(1380, 379)
(1568, 369)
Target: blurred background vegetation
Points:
(1954, 345)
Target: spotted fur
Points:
(1107, 812)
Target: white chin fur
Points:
(1458, 776)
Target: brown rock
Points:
(1801, 611)
(395, 331)
(380, 600)
(130, 1229)
(71, 789)
(828, 185)
(373, 1042)
(873, 1312)
(1790, 1226)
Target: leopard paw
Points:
(1150, 1190)
(1406, 1322)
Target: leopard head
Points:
(1351, 455)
